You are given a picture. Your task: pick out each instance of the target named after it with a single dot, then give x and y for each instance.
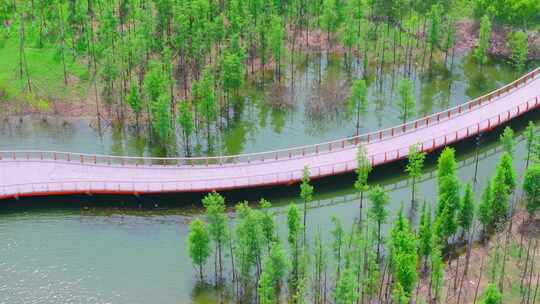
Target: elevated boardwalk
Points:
(42, 173)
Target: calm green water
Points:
(113, 255)
(272, 116)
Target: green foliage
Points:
(232, 71)
(198, 244)
(500, 199)
(306, 190)
(446, 164)
(531, 188)
(161, 116)
(345, 292)
(406, 103)
(506, 168)
(520, 48)
(414, 167)
(448, 198)
(266, 288)
(363, 168)
(218, 222)
(330, 16)
(185, 119)
(339, 239)
(293, 224)
(521, 13)
(134, 100)
(277, 35)
(507, 140)
(532, 142)
(491, 295)
(205, 99)
(358, 99)
(425, 233)
(466, 209)
(248, 238)
(437, 272)
(480, 53)
(268, 225)
(485, 214)
(435, 16)
(398, 294)
(403, 249)
(379, 199)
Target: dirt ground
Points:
(481, 264)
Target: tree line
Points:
(361, 264)
(183, 63)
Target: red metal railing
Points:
(134, 187)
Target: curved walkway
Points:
(40, 173)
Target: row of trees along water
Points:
(359, 264)
(184, 62)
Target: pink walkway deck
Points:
(39, 173)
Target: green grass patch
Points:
(46, 73)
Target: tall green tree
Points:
(485, 214)
(198, 245)
(531, 188)
(358, 100)
(507, 140)
(338, 245)
(135, 102)
(425, 235)
(406, 102)
(277, 36)
(363, 168)
(500, 199)
(480, 53)
(268, 224)
(306, 193)
(185, 120)
(448, 195)
(491, 295)
(414, 168)
(249, 242)
(377, 212)
(293, 231)
(403, 251)
(345, 292)
(532, 141)
(519, 45)
(466, 209)
(218, 224)
(204, 94)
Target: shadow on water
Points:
(390, 176)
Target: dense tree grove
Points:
(155, 60)
(384, 257)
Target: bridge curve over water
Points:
(42, 173)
